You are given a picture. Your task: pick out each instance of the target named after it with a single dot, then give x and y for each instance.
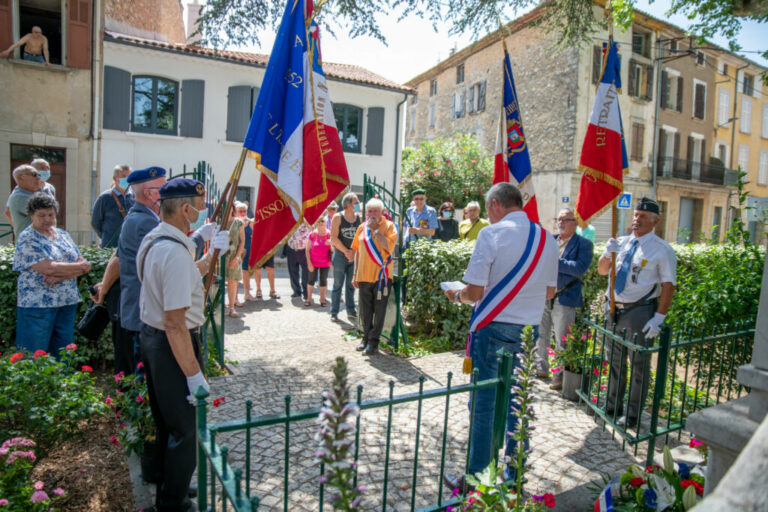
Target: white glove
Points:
(207, 231)
(653, 326)
(195, 382)
(612, 245)
(221, 241)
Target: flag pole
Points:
(614, 209)
(228, 200)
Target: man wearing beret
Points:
(421, 218)
(171, 308)
(643, 288)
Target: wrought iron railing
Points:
(671, 167)
(222, 486)
(688, 372)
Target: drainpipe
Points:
(397, 142)
(654, 151)
(730, 215)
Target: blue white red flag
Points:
(604, 502)
(292, 136)
(512, 162)
(604, 155)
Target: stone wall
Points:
(160, 20)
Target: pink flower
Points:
(108, 401)
(594, 399)
(71, 346)
(38, 496)
(86, 368)
(39, 353)
(555, 370)
(119, 377)
(694, 443)
(140, 365)
(550, 351)
(139, 398)
(82, 471)
(3, 502)
(563, 338)
(596, 371)
(113, 440)
(39, 485)
(58, 491)
(603, 387)
(122, 426)
(583, 337)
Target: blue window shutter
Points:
(192, 97)
(238, 112)
(117, 99)
(374, 141)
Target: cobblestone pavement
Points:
(279, 348)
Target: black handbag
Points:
(94, 321)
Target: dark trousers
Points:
(633, 321)
(297, 261)
(174, 417)
(122, 342)
(373, 309)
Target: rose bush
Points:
(17, 491)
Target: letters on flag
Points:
(292, 136)
(512, 163)
(604, 155)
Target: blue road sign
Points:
(625, 201)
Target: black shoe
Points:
(361, 346)
(294, 295)
(351, 315)
(334, 317)
(371, 349)
(457, 482)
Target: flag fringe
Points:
(584, 223)
(601, 175)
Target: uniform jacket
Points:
(574, 262)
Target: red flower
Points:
(549, 500)
(108, 401)
(216, 402)
(119, 377)
(694, 443)
(71, 346)
(596, 371)
(637, 482)
(696, 485)
(39, 353)
(140, 365)
(86, 368)
(113, 440)
(652, 467)
(18, 356)
(594, 399)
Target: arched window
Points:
(155, 105)
(349, 121)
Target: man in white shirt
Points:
(515, 259)
(171, 308)
(644, 285)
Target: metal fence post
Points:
(659, 387)
(202, 460)
(501, 407)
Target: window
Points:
(721, 152)
(641, 43)
(597, 63)
(671, 90)
(749, 85)
(701, 60)
(762, 169)
(640, 80)
(638, 133)
(745, 122)
(433, 88)
(699, 98)
(154, 105)
(349, 120)
(476, 103)
(723, 107)
(460, 74)
(764, 126)
(458, 107)
(412, 119)
(722, 67)
(432, 115)
(673, 47)
(743, 162)
(414, 99)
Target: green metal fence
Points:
(6, 233)
(371, 189)
(688, 371)
(221, 486)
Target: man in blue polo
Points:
(112, 206)
(421, 219)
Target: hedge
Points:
(716, 285)
(97, 352)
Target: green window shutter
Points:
(192, 99)
(117, 99)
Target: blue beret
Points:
(142, 175)
(182, 187)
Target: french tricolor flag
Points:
(292, 136)
(604, 155)
(604, 502)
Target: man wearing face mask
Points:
(111, 207)
(171, 308)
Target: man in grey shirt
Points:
(28, 182)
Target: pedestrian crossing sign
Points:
(625, 201)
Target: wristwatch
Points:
(457, 297)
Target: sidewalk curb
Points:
(143, 493)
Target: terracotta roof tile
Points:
(348, 72)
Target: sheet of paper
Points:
(452, 285)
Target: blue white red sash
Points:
(375, 255)
(604, 502)
(494, 302)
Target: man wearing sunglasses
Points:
(27, 183)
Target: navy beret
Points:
(182, 187)
(142, 175)
(648, 205)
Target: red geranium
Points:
(549, 500)
(696, 485)
(86, 368)
(637, 482)
(651, 468)
(39, 353)
(18, 356)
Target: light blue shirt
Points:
(424, 219)
(32, 248)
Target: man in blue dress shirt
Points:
(421, 219)
(112, 206)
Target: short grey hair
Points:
(473, 204)
(333, 204)
(120, 168)
(20, 170)
(374, 202)
(39, 161)
(349, 198)
(569, 210)
(506, 194)
(173, 204)
(239, 204)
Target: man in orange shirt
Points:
(373, 244)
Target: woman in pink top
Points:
(318, 260)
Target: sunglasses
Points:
(33, 174)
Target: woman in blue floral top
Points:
(47, 297)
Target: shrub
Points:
(130, 404)
(17, 491)
(95, 351)
(456, 169)
(46, 399)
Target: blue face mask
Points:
(44, 175)
(124, 183)
(447, 215)
(201, 215)
(357, 207)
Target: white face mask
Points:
(200, 220)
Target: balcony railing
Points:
(670, 167)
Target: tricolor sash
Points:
(377, 258)
(494, 302)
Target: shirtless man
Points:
(35, 49)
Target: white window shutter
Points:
(723, 107)
(746, 115)
(762, 170)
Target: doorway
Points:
(56, 158)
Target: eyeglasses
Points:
(565, 220)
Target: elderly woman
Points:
(447, 227)
(234, 258)
(47, 297)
